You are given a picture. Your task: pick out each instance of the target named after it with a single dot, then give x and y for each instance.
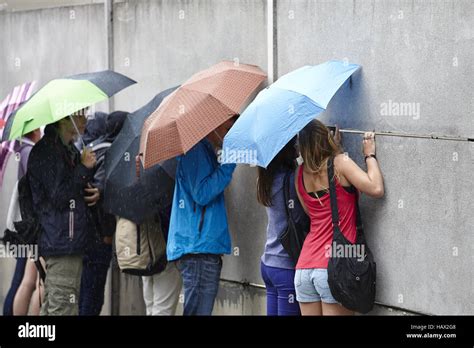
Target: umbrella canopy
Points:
(199, 106)
(127, 195)
(280, 111)
(12, 102)
(62, 97)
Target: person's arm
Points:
(204, 187)
(370, 182)
(95, 189)
(59, 186)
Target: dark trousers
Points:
(96, 264)
(15, 284)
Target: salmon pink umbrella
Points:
(200, 105)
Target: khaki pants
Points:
(62, 285)
(161, 291)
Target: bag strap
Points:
(286, 195)
(360, 237)
(332, 192)
(333, 198)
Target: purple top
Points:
(274, 254)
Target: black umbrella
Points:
(126, 194)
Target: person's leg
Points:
(103, 264)
(62, 285)
(38, 295)
(209, 276)
(166, 289)
(201, 275)
(15, 284)
(188, 268)
(284, 280)
(335, 309)
(85, 296)
(97, 291)
(148, 294)
(35, 304)
(272, 302)
(27, 287)
(311, 308)
(306, 294)
(330, 306)
(94, 276)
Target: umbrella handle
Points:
(77, 131)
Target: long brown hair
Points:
(284, 160)
(316, 145)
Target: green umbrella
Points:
(60, 98)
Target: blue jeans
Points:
(15, 284)
(96, 264)
(201, 274)
(281, 295)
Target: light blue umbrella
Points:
(280, 111)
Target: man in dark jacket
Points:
(58, 175)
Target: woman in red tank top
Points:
(316, 146)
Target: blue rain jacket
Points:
(198, 218)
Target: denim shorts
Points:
(311, 285)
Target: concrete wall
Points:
(42, 45)
(414, 52)
(411, 52)
(50, 43)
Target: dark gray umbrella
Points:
(126, 194)
(109, 81)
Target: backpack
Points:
(26, 231)
(293, 236)
(140, 249)
(351, 280)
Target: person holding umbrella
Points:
(58, 176)
(191, 124)
(277, 267)
(198, 233)
(144, 197)
(285, 109)
(275, 189)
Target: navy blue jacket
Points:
(57, 181)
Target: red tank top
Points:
(315, 252)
